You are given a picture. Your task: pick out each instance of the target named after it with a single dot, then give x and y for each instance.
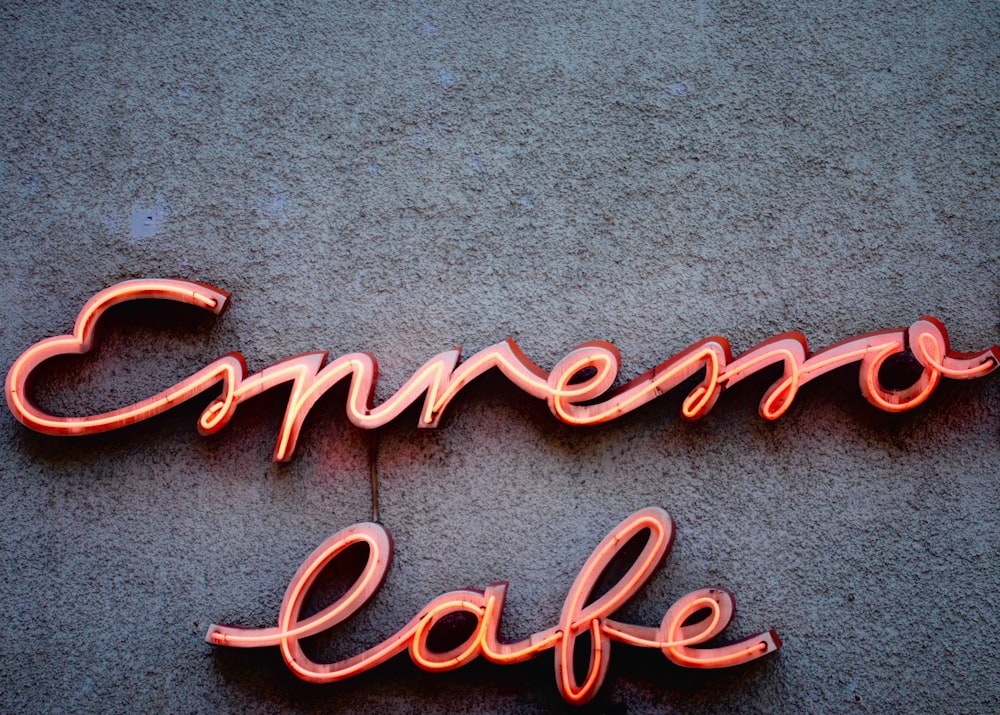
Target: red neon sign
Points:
(439, 380)
(676, 636)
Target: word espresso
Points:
(574, 389)
(693, 619)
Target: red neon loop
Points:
(442, 377)
(672, 637)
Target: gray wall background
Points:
(403, 180)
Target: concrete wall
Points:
(404, 180)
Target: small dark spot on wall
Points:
(899, 371)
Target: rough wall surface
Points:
(408, 179)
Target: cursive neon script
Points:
(576, 389)
(692, 620)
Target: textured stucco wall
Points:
(404, 180)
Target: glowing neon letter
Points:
(228, 369)
(575, 390)
(578, 617)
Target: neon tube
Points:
(571, 398)
(673, 638)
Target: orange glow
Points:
(228, 369)
(442, 377)
(672, 637)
